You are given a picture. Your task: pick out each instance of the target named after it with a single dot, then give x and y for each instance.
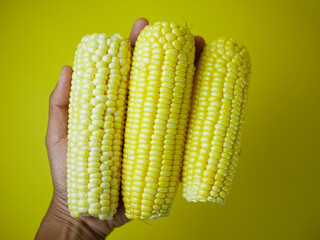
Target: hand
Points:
(58, 224)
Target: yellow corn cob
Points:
(159, 99)
(96, 124)
(217, 107)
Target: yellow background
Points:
(276, 191)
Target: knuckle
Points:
(47, 141)
(51, 141)
(51, 97)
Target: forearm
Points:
(58, 224)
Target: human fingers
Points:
(137, 27)
(199, 44)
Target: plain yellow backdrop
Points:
(276, 191)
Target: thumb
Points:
(58, 108)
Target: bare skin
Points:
(57, 223)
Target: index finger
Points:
(199, 44)
(137, 27)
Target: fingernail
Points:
(62, 69)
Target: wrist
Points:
(58, 224)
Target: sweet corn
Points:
(216, 117)
(96, 124)
(159, 99)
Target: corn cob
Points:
(96, 124)
(216, 116)
(159, 99)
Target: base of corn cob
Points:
(214, 131)
(96, 124)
